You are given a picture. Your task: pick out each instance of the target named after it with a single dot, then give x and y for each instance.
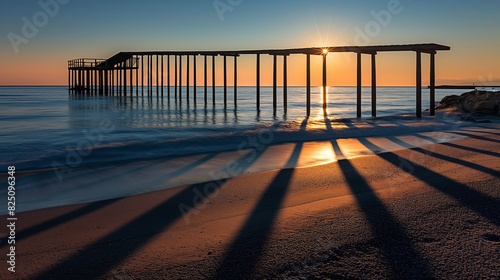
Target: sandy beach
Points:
(260, 140)
(428, 212)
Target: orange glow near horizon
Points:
(393, 69)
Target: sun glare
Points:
(325, 51)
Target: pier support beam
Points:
(175, 77)
(87, 86)
(73, 79)
(162, 76)
(359, 88)
(308, 85)
(142, 75)
(213, 80)
(106, 80)
(205, 97)
(194, 79)
(187, 79)
(168, 77)
(275, 78)
(101, 82)
(148, 76)
(432, 83)
(180, 78)
(325, 91)
(419, 84)
(70, 77)
(156, 81)
(235, 95)
(124, 80)
(374, 85)
(69, 80)
(285, 84)
(137, 76)
(131, 77)
(94, 82)
(225, 82)
(117, 80)
(151, 75)
(79, 81)
(257, 86)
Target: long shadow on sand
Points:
(397, 248)
(473, 136)
(95, 206)
(482, 204)
(104, 254)
(437, 155)
(70, 216)
(247, 247)
(484, 129)
(454, 145)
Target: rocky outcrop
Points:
(476, 102)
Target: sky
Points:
(37, 38)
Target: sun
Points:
(325, 51)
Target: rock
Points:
(477, 102)
(448, 101)
(487, 107)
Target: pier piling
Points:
(432, 81)
(285, 84)
(213, 80)
(374, 84)
(419, 84)
(205, 76)
(257, 86)
(358, 85)
(187, 79)
(235, 74)
(194, 79)
(325, 90)
(225, 82)
(275, 81)
(308, 84)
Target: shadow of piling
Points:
(465, 195)
(101, 256)
(247, 248)
(396, 247)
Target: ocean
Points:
(65, 147)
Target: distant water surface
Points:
(42, 125)
(69, 149)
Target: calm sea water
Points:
(68, 149)
(43, 126)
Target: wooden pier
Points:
(129, 73)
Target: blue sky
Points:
(101, 28)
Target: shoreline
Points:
(120, 179)
(412, 213)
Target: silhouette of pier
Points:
(142, 73)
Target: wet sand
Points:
(429, 212)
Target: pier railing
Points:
(82, 63)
